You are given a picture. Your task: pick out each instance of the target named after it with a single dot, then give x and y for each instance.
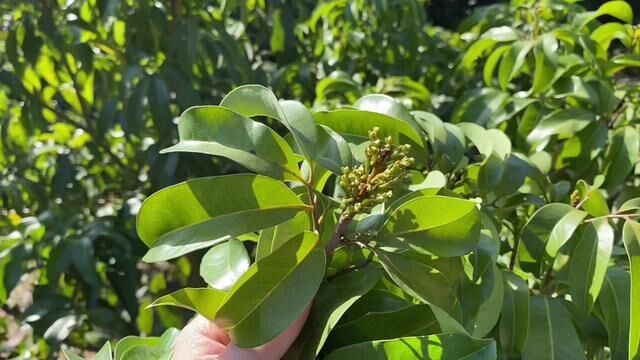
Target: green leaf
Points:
(224, 264)
(479, 106)
(273, 292)
(354, 125)
(579, 151)
(487, 142)
(13, 266)
(104, 353)
(447, 140)
(216, 130)
(130, 343)
(545, 233)
(377, 300)
(551, 332)
(385, 105)
(422, 282)
(489, 296)
(632, 205)
(196, 214)
(271, 238)
(434, 180)
(492, 62)
(606, 33)
(204, 301)
(256, 100)
(133, 108)
(519, 168)
(495, 146)
(72, 356)
(618, 9)
(441, 347)
(615, 303)
(440, 225)
(338, 82)
(512, 61)
(334, 298)
(592, 199)
(411, 320)
(333, 150)
(622, 61)
(143, 353)
(486, 42)
(545, 68)
(159, 101)
(622, 155)
(514, 317)
(588, 263)
(631, 238)
(561, 122)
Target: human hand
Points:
(201, 339)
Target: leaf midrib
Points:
(290, 158)
(302, 206)
(548, 316)
(615, 300)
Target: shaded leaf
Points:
(622, 155)
(615, 303)
(551, 332)
(444, 347)
(514, 317)
(422, 282)
(589, 262)
(412, 320)
(545, 233)
(334, 298)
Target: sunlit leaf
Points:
(273, 292)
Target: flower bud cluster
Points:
(371, 183)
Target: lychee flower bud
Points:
(369, 184)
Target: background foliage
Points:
(539, 109)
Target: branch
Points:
(337, 236)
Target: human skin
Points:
(201, 339)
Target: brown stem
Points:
(175, 8)
(337, 236)
(547, 283)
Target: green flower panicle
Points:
(369, 184)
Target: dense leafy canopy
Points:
(428, 194)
